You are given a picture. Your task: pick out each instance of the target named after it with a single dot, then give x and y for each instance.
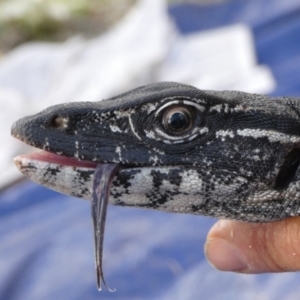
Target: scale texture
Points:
(225, 154)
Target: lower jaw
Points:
(58, 173)
(168, 188)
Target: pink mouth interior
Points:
(60, 160)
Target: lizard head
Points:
(239, 151)
(160, 124)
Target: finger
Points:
(254, 247)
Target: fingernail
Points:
(224, 256)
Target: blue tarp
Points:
(276, 29)
(46, 249)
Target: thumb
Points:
(254, 247)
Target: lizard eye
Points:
(177, 120)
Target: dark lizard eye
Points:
(177, 120)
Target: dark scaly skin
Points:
(244, 147)
(239, 159)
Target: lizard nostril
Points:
(289, 170)
(59, 122)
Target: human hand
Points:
(254, 247)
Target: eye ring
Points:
(178, 120)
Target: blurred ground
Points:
(56, 20)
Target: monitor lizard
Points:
(172, 147)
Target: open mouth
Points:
(52, 158)
(48, 165)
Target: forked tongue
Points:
(103, 177)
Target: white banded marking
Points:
(185, 102)
(224, 133)
(272, 135)
(132, 128)
(115, 128)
